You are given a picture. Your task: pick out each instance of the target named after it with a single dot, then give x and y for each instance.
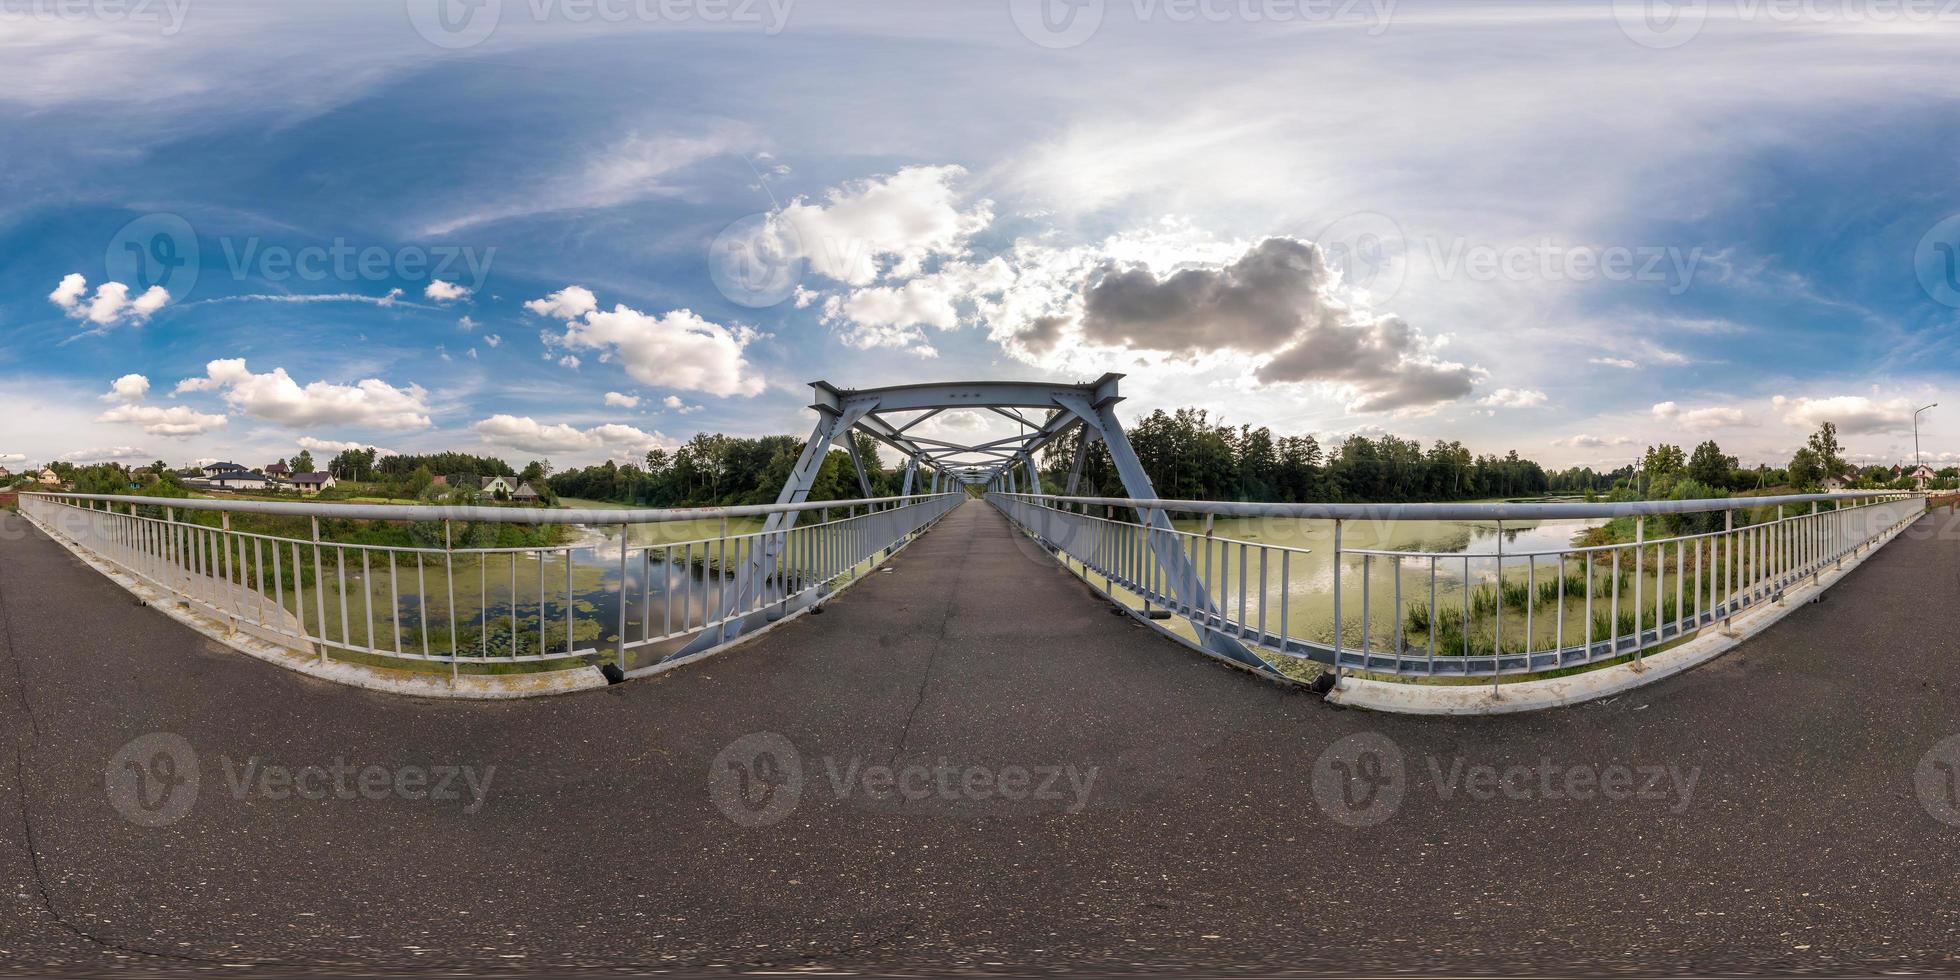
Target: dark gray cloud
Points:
(1383, 359)
(1273, 301)
(1254, 305)
(1042, 333)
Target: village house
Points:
(48, 477)
(1923, 475)
(525, 495)
(4, 473)
(212, 471)
(492, 485)
(312, 483)
(242, 480)
(279, 470)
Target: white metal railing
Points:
(481, 609)
(1436, 613)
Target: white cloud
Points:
(311, 444)
(1618, 362)
(111, 304)
(1853, 414)
(532, 436)
(492, 339)
(674, 404)
(156, 420)
(886, 226)
(128, 388)
(111, 454)
(1584, 441)
(467, 323)
(677, 349)
(176, 421)
(569, 303)
(446, 292)
(276, 397)
(1513, 398)
(569, 361)
(1701, 419)
(622, 399)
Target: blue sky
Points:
(576, 231)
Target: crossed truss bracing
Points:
(1044, 413)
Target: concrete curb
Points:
(410, 683)
(1433, 699)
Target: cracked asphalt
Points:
(996, 776)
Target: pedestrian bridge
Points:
(1334, 596)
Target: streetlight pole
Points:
(1918, 460)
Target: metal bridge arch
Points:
(1006, 463)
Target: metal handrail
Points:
(1483, 511)
(468, 514)
(1678, 585)
(317, 595)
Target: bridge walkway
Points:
(1201, 842)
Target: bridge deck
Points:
(1201, 844)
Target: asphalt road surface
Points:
(968, 764)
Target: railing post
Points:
(625, 544)
(1639, 562)
(1337, 602)
(1728, 601)
(449, 579)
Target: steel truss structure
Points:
(1045, 412)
